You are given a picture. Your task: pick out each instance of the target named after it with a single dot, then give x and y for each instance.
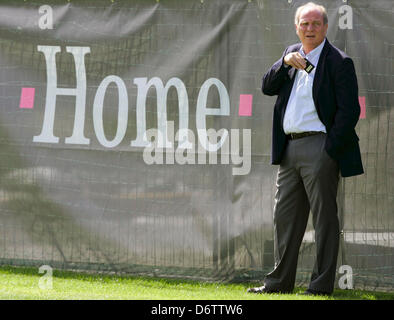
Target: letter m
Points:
(53, 91)
(162, 91)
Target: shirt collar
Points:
(315, 52)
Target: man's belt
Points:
(293, 136)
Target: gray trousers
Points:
(307, 181)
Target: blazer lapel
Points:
(293, 71)
(319, 75)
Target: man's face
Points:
(310, 28)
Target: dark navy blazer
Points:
(335, 94)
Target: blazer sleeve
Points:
(276, 76)
(348, 109)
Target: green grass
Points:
(18, 283)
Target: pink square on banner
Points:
(27, 98)
(245, 105)
(361, 101)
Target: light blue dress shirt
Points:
(301, 114)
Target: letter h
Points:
(79, 92)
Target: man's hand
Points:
(295, 59)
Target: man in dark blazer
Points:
(314, 142)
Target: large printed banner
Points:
(134, 136)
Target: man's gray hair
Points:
(313, 5)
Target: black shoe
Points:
(311, 292)
(262, 289)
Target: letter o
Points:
(98, 107)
